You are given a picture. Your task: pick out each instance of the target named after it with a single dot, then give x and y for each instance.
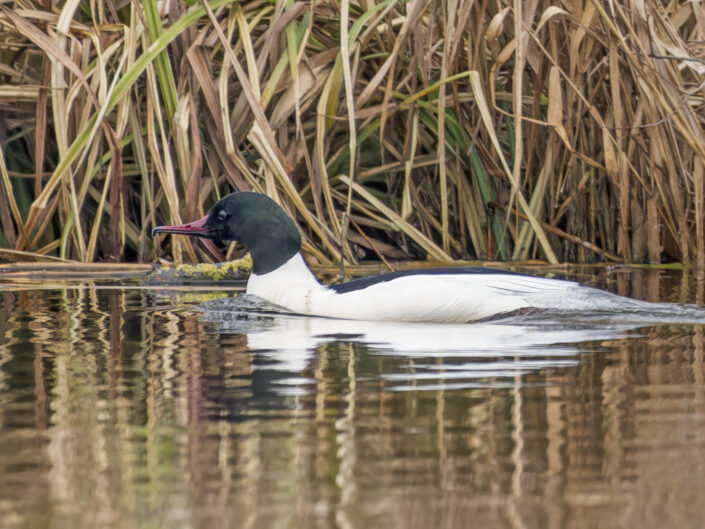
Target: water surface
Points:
(131, 408)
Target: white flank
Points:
(452, 298)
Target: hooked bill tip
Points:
(160, 229)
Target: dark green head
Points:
(252, 219)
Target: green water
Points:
(125, 408)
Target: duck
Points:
(461, 294)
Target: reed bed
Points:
(464, 129)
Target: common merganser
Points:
(441, 295)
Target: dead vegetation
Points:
(390, 130)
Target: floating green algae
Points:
(238, 269)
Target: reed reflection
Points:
(123, 408)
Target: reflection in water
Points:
(489, 352)
(128, 409)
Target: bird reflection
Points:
(288, 342)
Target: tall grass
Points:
(390, 130)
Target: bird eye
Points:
(222, 215)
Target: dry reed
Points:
(390, 130)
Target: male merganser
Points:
(442, 295)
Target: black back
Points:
(364, 282)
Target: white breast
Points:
(452, 298)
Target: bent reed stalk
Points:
(390, 130)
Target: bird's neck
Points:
(292, 276)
